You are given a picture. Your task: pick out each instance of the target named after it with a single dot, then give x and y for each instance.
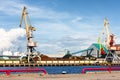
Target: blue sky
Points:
(61, 24)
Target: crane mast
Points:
(29, 30)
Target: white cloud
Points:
(73, 44)
(63, 36)
(10, 7)
(117, 39)
(14, 8)
(77, 19)
(7, 38)
(61, 29)
(50, 29)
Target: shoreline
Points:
(88, 76)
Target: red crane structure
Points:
(110, 43)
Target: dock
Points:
(8, 63)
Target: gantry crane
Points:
(110, 43)
(31, 52)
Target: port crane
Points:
(110, 43)
(31, 54)
(109, 39)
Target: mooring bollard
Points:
(7, 72)
(109, 70)
(45, 72)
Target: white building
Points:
(7, 53)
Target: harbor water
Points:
(57, 69)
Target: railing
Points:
(109, 69)
(23, 70)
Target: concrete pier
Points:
(9, 63)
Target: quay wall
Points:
(55, 63)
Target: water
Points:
(58, 69)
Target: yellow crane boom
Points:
(27, 22)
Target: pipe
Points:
(109, 69)
(23, 70)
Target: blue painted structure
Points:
(93, 49)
